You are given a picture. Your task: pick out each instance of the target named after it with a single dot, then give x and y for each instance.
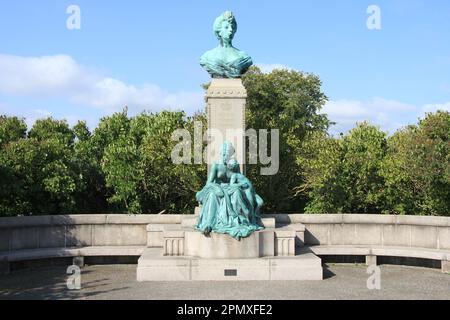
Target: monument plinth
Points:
(225, 108)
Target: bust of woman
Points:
(225, 61)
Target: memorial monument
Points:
(228, 240)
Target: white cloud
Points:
(390, 115)
(268, 68)
(62, 76)
(436, 107)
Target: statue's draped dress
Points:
(225, 208)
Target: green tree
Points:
(343, 174)
(138, 167)
(289, 101)
(417, 170)
(11, 129)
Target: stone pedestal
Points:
(225, 107)
(154, 267)
(181, 253)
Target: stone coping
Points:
(83, 219)
(46, 253)
(394, 251)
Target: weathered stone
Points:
(79, 235)
(396, 235)
(285, 243)
(424, 236)
(267, 243)
(225, 104)
(445, 266)
(221, 246)
(52, 237)
(153, 267)
(25, 238)
(371, 260)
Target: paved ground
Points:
(118, 282)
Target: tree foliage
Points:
(289, 101)
(367, 172)
(124, 165)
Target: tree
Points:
(343, 175)
(11, 129)
(138, 167)
(417, 170)
(289, 101)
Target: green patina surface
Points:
(225, 61)
(230, 205)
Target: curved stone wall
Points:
(376, 230)
(130, 230)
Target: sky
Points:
(145, 54)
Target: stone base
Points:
(445, 266)
(152, 266)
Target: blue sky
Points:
(145, 54)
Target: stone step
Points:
(152, 266)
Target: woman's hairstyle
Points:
(226, 16)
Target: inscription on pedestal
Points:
(226, 100)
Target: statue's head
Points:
(227, 151)
(225, 27)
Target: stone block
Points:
(119, 235)
(371, 260)
(79, 235)
(317, 234)
(368, 234)
(133, 235)
(152, 267)
(335, 234)
(25, 238)
(268, 222)
(173, 243)
(225, 104)
(106, 235)
(230, 269)
(444, 238)
(267, 243)
(396, 235)
(190, 222)
(52, 237)
(155, 234)
(220, 246)
(285, 243)
(299, 234)
(445, 266)
(424, 236)
(305, 267)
